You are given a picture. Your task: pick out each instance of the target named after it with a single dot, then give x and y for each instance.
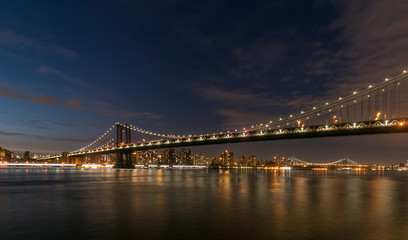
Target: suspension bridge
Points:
(378, 109)
(341, 162)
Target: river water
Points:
(56, 203)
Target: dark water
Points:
(201, 204)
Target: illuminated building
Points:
(252, 161)
(227, 158)
(242, 161)
(26, 155)
(202, 160)
(5, 155)
(184, 157)
(168, 156)
(146, 157)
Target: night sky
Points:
(71, 69)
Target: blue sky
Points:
(69, 70)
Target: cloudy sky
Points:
(69, 70)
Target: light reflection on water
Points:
(40, 203)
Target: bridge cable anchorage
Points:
(359, 106)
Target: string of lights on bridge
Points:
(330, 107)
(340, 161)
(111, 131)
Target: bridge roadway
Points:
(344, 129)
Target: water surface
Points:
(38, 203)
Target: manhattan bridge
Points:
(380, 108)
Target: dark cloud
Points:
(110, 110)
(126, 114)
(75, 104)
(239, 108)
(48, 70)
(193, 38)
(52, 72)
(371, 45)
(236, 118)
(35, 123)
(11, 133)
(8, 92)
(39, 137)
(42, 124)
(259, 57)
(250, 98)
(43, 99)
(63, 124)
(65, 139)
(12, 39)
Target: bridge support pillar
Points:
(124, 160)
(123, 130)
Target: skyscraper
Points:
(227, 158)
(168, 156)
(242, 161)
(184, 157)
(202, 160)
(26, 155)
(252, 161)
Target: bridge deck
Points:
(346, 129)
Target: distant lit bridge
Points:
(381, 108)
(341, 162)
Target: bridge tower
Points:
(123, 156)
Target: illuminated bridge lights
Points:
(355, 97)
(396, 125)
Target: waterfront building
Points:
(252, 161)
(202, 160)
(216, 161)
(26, 155)
(5, 155)
(136, 157)
(184, 157)
(146, 157)
(242, 161)
(227, 158)
(168, 156)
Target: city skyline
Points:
(187, 158)
(193, 68)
